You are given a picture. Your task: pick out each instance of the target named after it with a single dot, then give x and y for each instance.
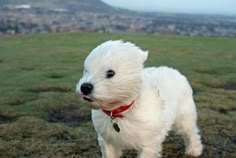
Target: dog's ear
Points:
(144, 56)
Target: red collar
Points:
(117, 112)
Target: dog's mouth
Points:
(87, 98)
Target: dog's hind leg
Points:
(186, 125)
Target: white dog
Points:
(135, 108)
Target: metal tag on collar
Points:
(114, 124)
(116, 127)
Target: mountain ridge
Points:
(72, 5)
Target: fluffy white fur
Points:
(163, 101)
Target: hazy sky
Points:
(179, 6)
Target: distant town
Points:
(25, 19)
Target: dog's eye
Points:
(110, 74)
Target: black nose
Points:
(86, 88)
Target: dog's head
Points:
(112, 74)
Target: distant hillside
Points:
(43, 16)
(72, 5)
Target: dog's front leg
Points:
(150, 152)
(108, 150)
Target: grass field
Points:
(41, 116)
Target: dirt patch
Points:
(49, 89)
(218, 141)
(230, 86)
(55, 76)
(71, 114)
(226, 86)
(223, 110)
(7, 118)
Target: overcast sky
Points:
(180, 6)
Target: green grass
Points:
(41, 116)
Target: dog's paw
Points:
(194, 150)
